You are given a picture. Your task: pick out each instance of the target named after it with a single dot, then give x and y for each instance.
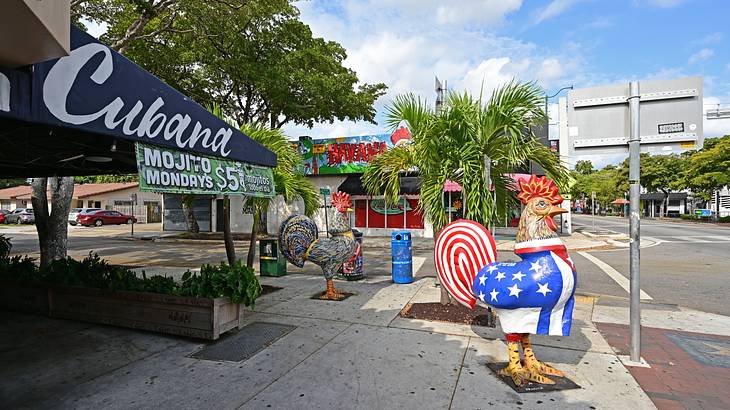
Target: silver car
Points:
(20, 216)
(75, 212)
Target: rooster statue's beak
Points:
(554, 210)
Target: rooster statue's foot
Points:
(539, 367)
(532, 364)
(333, 295)
(521, 375)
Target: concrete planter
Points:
(202, 318)
(24, 298)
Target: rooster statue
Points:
(533, 296)
(299, 241)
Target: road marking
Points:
(417, 263)
(617, 277)
(687, 239)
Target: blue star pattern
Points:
(538, 291)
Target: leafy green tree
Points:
(707, 170)
(659, 173)
(106, 179)
(254, 58)
(584, 167)
(7, 183)
(458, 143)
(291, 184)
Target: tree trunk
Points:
(227, 235)
(445, 298)
(188, 202)
(52, 227)
(663, 207)
(263, 222)
(252, 240)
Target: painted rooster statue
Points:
(533, 296)
(299, 241)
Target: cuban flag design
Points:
(534, 295)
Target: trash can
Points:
(271, 261)
(402, 259)
(352, 269)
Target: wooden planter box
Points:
(202, 318)
(24, 298)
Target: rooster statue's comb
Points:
(341, 199)
(539, 187)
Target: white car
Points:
(75, 212)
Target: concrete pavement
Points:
(353, 354)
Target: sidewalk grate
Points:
(243, 345)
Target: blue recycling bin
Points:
(402, 257)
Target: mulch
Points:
(452, 313)
(266, 289)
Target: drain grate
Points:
(243, 345)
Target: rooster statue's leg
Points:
(535, 365)
(520, 375)
(331, 293)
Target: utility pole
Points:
(593, 210)
(634, 223)
(440, 88)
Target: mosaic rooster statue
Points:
(533, 296)
(299, 241)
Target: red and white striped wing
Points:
(463, 248)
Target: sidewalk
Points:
(353, 354)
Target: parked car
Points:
(20, 216)
(75, 212)
(99, 218)
(3, 212)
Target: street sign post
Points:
(325, 192)
(634, 223)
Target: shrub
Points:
(724, 219)
(237, 283)
(687, 217)
(5, 247)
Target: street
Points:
(686, 265)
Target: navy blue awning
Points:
(96, 102)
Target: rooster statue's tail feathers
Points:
(463, 248)
(296, 235)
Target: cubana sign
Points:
(168, 170)
(349, 155)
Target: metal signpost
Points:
(593, 210)
(604, 121)
(634, 193)
(325, 192)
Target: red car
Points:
(99, 218)
(2, 216)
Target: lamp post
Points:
(547, 97)
(547, 130)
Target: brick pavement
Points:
(688, 370)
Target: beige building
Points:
(124, 197)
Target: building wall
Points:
(120, 197)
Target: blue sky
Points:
(404, 43)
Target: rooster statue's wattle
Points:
(299, 241)
(533, 296)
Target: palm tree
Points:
(457, 143)
(290, 183)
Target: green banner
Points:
(171, 171)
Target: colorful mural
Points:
(347, 155)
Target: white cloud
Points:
(553, 9)
(701, 55)
(95, 29)
(405, 43)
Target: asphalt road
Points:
(686, 265)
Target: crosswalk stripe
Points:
(620, 279)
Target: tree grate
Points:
(245, 343)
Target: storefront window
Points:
(373, 213)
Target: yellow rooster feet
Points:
(539, 367)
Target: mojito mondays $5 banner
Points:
(171, 171)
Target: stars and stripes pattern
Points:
(462, 248)
(534, 295)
